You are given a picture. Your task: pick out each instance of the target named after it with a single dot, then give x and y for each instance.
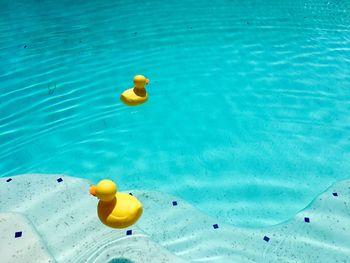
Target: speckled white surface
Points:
(65, 217)
(25, 249)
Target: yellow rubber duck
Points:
(138, 94)
(117, 210)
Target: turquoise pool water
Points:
(248, 116)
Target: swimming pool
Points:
(248, 115)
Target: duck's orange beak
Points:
(92, 190)
(147, 81)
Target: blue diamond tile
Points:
(9, 180)
(59, 180)
(18, 234)
(174, 203)
(216, 226)
(335, 194)
(267, 239)
(307, 220)
(129, 232)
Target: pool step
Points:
(20, 242)
(171, 230)
(65, 216)
(319, 233)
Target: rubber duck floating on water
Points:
(138, 94)
(116, 210)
